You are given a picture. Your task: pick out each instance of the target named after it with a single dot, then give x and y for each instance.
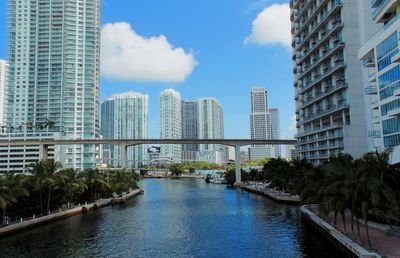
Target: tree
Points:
(71, 184)
(52, 167)
(38, 170)
(95, 182)
(11, 188)
(176, 169)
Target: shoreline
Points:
(278, 198)
(44, 220)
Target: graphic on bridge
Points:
(125, 143)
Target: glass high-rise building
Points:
(189, 129)
(125, 116)
(54, 56)
(3, 90)
(275, 130)
(171, 124)
(330, 107)
(380, 57)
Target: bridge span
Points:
(125, 143)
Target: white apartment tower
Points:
(54, 56)
(125, 116)
(170, 123)
(260, 124)
(210, 126)
(330, 107)
(380, 57)
(3, 89)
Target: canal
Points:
(176, 218)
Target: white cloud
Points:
(125, 55)
(272, 26)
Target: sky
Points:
(201, 48)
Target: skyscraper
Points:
(210, 126)
(275, 130)
(54, 72)
(125, 116)
(260, 124)
(380, 57)
(3, 89)
(189, 128)
(330, 109)
(171, 125)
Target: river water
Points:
(176, 218)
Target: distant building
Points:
(125, 116)
(189, 129)
(291, 152)
(3, 89)
(260, 124)
(381, 60)
(275, 130)
(170, 123)
(330, 107)
(244, 156)
(210, 126)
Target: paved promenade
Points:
(384, 244)
(273, 194)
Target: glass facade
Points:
(125, 116)
(54, 53)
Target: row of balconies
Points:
(341, 104)
(318, 95)
(319, 77)
(336, 145)
(307, 68)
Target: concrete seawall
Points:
(32, 223)
(348, 247)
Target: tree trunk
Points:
(352, 220)
(344, 221)
(4, 214)
(366, 230)
(41, 200)
(48, 200)
(358, 227)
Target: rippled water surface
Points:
(176, 218)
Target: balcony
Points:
(396, 58)
(375, 3)
(318, 78)
(395, 112)
(369, 62)
(371, 90)
(317, 61)
(323, 112)
(396, 93)
(328, 91)
(374, 134)
(366, 48)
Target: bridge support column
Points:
(124, 156)
(237, 165)
(43, 152)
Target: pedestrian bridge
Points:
(125, 143)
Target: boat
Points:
(208, 179)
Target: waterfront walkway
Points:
(278, 196)
(25, 224)
(384, 244)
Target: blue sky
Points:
(211, 32)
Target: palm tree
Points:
(29, 125)
(11, 188)
(52, 167)
(49, 124)
(69, 182)
(94, 181)
(38, 170)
